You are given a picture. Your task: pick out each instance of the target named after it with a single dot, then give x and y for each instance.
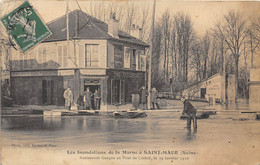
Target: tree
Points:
(254, 37)
(205, 54)
(233, 31)
(165, 42)
(197, 59)
(185, 37)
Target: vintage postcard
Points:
(130, 82)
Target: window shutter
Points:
(113, 91)
(60, 55)
(65, 56)
(81, 56)
(122, 89)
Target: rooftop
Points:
(85, 27)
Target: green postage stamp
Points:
(25, 27)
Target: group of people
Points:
(86, 100)
(88, 96)
(143, 97)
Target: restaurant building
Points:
(98, 55)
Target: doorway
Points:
(47, 92)
(117, 91)
(92, 89)
(202, 93)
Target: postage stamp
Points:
(25, 27)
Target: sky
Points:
(204, 14)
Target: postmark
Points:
(25, 27)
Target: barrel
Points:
(135, 100)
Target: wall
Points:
(134, 80)
(28, 90)
(254, 87)
(214, 87)
(34, 59)
(116, 57)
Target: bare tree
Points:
(233, 31)
(130, 15)
(184, 39)
(254, 37)
(197, 60)
(165, 42)
(143, 22)
(205, 54)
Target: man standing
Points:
(97, 99)
(143, 97)
(68, 95)
(191, 112)
(87, 99)
(154, 95)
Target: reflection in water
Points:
(95, 130)
(191, 134)
(156, 130)
(52, 123)
(91, 128)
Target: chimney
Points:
(113, 25)
(136, 31)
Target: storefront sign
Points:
(66, 72)
(93, 71)
(43, 73)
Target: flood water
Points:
(157, 130)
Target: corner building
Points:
(98, 55)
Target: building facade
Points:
(217, 87)
(98, 55)
(254, 84)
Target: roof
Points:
(88, 28)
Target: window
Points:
(62, 55)
(42, 53)
(133, 61)
(65, 56)
(127, 57)
(91, 55)
(118, 56)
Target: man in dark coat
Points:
(87, 99)
(143, 97)
(97, 99)
(191, 112)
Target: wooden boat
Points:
(130, 114)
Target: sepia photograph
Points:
(130, 82)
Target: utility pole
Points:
(224, 71)
(67, 24)
(150, 59)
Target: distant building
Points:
(217, 86)
(254, 84)
(100, 56)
